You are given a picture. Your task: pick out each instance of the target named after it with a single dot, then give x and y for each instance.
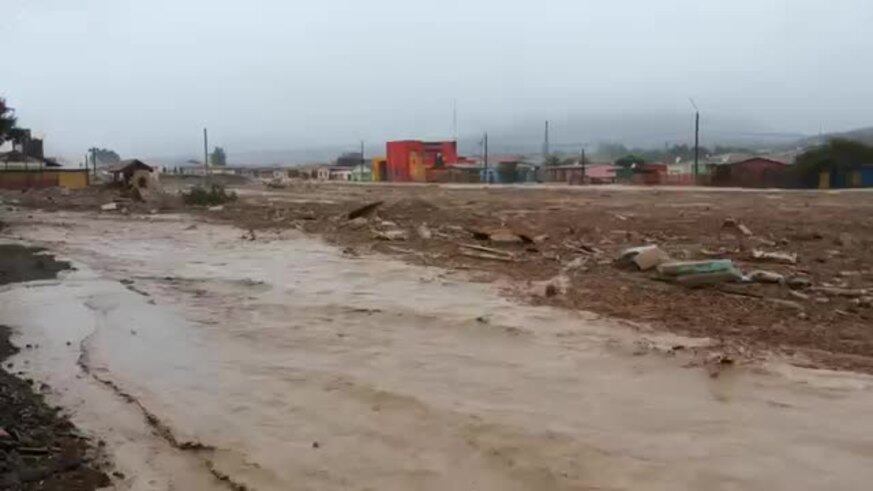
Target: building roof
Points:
(754, 159)
(16, 156)
(130, 164)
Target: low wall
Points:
(40, 178)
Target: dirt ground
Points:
(39, 448)
(567, 239)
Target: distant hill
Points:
(863, 135)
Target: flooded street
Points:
(280, 363)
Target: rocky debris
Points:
(364, 211)
(798, 295)
(395, 234)
(760, 276)
(489, 253)
(559, 285)
(840, 292)
(732, 223)
(501, 236)
(845, 239)
(424, 232)
(357, 223)
(717, 253)
(866, 301)
(776, 257)
(644, 257)
(798, 282)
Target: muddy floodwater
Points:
(205, 361)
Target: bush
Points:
(215, 195)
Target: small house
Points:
(757, 172)
(132, 172)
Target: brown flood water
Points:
(299, 368)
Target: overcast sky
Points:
(144, 77)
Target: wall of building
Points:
(409, 160)
(73, 179)
(35, 179)
(753, 173)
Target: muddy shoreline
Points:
(39, 448)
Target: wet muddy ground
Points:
(209, 358)
(823, 320)
(39, 448)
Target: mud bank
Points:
(39, 447)
(289, 365)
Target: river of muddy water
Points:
(206, 361)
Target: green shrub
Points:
(215, 195)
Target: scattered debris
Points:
(845, 239)
(786, 303)
(699, 273)
(575, 264)
(840, 292)
(761, 276)
(720, 253)
(216, 208)
(798, 295)
(357, 223)
(776, 257)
(733, 223)
(364, 211)
(109, 206)
(551, 288)
(483, 255)
(798, 282)
(644, 257)
(501, 236)
(424, 232)
(393, 234)
(481, 252)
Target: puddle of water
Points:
(307, 369)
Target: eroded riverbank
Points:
(291, 365)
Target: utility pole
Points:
(361, 168)
(487, 175)
(546, 144)
(94, 160)
(455, 120)
(205, 152)
(696, 140)
(582, 162)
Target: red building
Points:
(756, 172)
(651, 174)
(409, 160)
